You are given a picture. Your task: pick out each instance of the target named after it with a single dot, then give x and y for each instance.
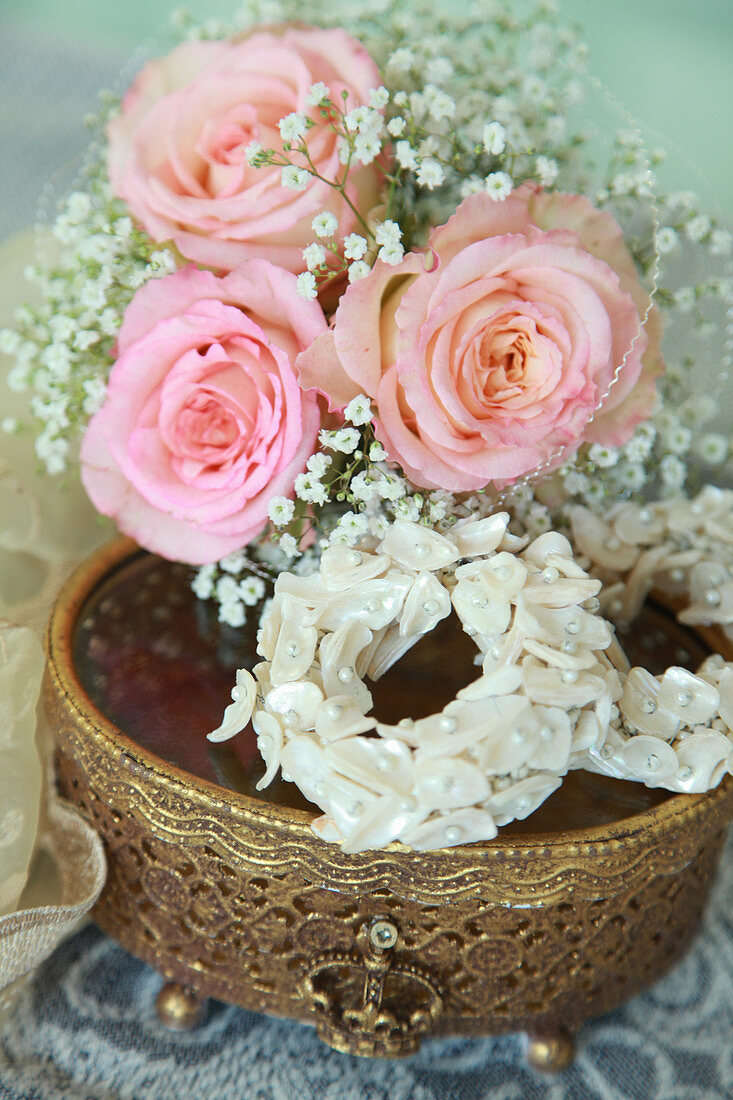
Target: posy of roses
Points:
(321, 289)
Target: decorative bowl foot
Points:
(550, 1051)
(178, 1007)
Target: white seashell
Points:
(297, 704)
(642, 708)
(500, 681)
(522, 798)
(640, 581)
(326, 829)
(587, 733)
(303, 759)
(551, 687)
(342, 567)
(383, 821)
(345, 802)
(555, 625)
(337, 717)
(478, 537)
(392, 645)
(418, 547)
(513, 543)
(550, 545)
(338, 654)
(269, 743)
(460, 827)
(703, 759)
(448, 784)
(463, 725)
(239, 712)
(479, 611)
(505, 651)
(600, 542)
(649, 759)
(552, 753)
(720, 529)
(638, 526)
(426, 604)
(503, 576)
(309, 590)
(605, 758)
(725, 688)
(564, 592)
(381, 765)
(558, 658)
(294, 652)
(693, 700)
(376, 603)
(509, 747)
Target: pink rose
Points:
(204, 420)
(177, 151)
(490, 359)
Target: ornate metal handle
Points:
(372, 1003)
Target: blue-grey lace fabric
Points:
(87, 1030)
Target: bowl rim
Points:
(665, 819)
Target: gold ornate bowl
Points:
(228, 895)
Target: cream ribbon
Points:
(52, 865)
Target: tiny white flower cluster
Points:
(233, 585)
(62, 348)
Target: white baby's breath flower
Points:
(293, 178)
(318, 464)
(251, 590)
(345, 440)
(96, 391)
(440, 105)
(317, 94)
(359, 410)
(474, 185)
(358, 270)
(232, 613)
(306, 287)
(603, 457)
(377, 452)
(547, 170)
(498, 185)
(430, 173)
(391, 254)
(324, 225)
(494, 138)
(378, 98)
(314, 255)
(698, 228)
(280, 511)
(9, 341)
(632, 476)
(388, 232)
(667, 240)
(396, 127)
(203, 583)
(712, 448)
(355, 246)
(685, 298)
(406, 156)
(309, 489)
(252, 153)
(288, 545)
(367, 147)
(721, 241)
(401, 61)
(9, 425)
(292, 127)
(363, 488)
(673, 471)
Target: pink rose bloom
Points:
(490, 359)
(204, 420)
(177, 151)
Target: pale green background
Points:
(670, 62)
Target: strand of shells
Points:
(554, 691)
(683, 547)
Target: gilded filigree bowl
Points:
(228, 893)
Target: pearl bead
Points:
(684, 698)
(613, 543)
(356, 807)
(495, 653)
(354, 558)
(518, 737)
(503, 572)
(550, 575)
(235, 693)
(685, 773)
(384, 764)
(421, 549)
(592, 604)
(372, 606)
(408, 806)
(453, 834)
(447, 783)
(448, 724)
(573, 627)
(334, 710)
(479, 601)
(293, 649)
(346, 674)
(606, 752)
(677, 575)
(712, 597)
(569, 676)
(546, 733)
(431, 607)
(648, 706)
(696, 509)
(406, 723)
(291, 718)
(471, 631)
(645, 515)
(570, 647)
(653, 762)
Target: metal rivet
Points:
(383, 934)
